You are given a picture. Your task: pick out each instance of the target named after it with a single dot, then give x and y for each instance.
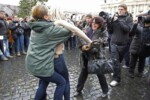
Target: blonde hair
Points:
(39, 11)
(56, 14)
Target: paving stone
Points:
(7, 98)
(17, 84)
(16, 96)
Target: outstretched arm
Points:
(74, 29)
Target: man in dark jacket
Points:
(4, 35)
(121, 26)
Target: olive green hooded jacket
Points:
(45, 36)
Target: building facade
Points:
(135, 7)
(11, 10)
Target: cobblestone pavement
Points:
(17, 84)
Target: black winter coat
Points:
(136, 44)
(3, 28)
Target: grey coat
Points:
(99, 34)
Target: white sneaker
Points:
(124, 66)
(104, 95)
(114, 83)
(111, 74)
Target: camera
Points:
(107, 17)
(144, 17)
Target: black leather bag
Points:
(97, 62)
(100, 66)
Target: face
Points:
(88, 19)
(121, 11)
(16, 18)
(95, 26)
(2, 15)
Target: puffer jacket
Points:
(136, 44)
(3, 28)
(121, 28)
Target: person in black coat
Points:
(97, 31)
(121, 26)
(139, 48)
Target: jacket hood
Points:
(40, 26)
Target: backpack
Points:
(19, 31)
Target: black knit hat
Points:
(98, 20)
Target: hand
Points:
(115, 18)
(16, 24)
(86, 47)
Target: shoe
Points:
(125, 67)
(139, 74)
(18, 54)
(10, 57)
(114, 83)
(111, 74)
(131, 75)
(4, 58)
(104, 95)
(77, 94)
(24, 53)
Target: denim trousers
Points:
(44, 81)
(127, 56)
(6, 48)
(60, 77)
(19, 43)
(117, 52)
(61, 68)
(27, 37)
(133, 62)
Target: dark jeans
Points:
(73, 42)
(68, 44)
(11, 48)
(84, 74)
(44, 81)
(133, 61)
(127, 56)
(117, 52)
(61, 68)
(145, 52)
(26, 40)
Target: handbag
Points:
(100, 66)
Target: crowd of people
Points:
(50, 32)
(14, 36)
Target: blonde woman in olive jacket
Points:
(45, 37)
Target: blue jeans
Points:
(44, 81)
(6, 48)
(61, 68)
(19, 43)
